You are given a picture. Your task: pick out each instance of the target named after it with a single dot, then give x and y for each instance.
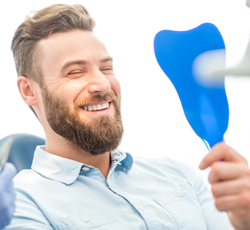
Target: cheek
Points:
(74, 87)
(71, 90)
(115, 86)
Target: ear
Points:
(27, 89)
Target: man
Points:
(80, 180)
(7, 194)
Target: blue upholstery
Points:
(22, 149)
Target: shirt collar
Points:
(66, 170)
(122, 158)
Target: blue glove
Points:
(7, 194)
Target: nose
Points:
(98, 85)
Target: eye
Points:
(75, 73)
(107, 69)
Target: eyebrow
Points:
(106, 59)
(83, 62)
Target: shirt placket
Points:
(141, 206)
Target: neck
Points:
(59, 146)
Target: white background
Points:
(154, 122)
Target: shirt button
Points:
(85, 218)
(180, 193)
(85, 168)
(140, 208)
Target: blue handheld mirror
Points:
(205, 106)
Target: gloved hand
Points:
(7, 194)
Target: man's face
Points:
(81, 95)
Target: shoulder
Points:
(29, 181)
(27, 176)
(24, 174)
(164, 163)
(171, 167)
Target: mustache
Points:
(110, 96)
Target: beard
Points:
(103, 135)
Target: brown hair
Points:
(52, 19)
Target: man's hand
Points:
(230, 181)
(7, 194)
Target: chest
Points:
(123, 203)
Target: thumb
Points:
(8, 172)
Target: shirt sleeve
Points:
(214, 219)
(27, 215)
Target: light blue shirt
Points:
(139, 194)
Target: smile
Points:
(95, 107)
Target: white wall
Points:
(154, 122)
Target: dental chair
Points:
(22, 149)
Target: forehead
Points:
(60, 48)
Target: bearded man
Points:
(80, 180)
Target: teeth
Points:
(106, 105)
(94, 107)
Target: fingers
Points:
(219, 152)
(230, 187)
(230, 180)
(240, 201)
(227, 171)
(8, 172)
